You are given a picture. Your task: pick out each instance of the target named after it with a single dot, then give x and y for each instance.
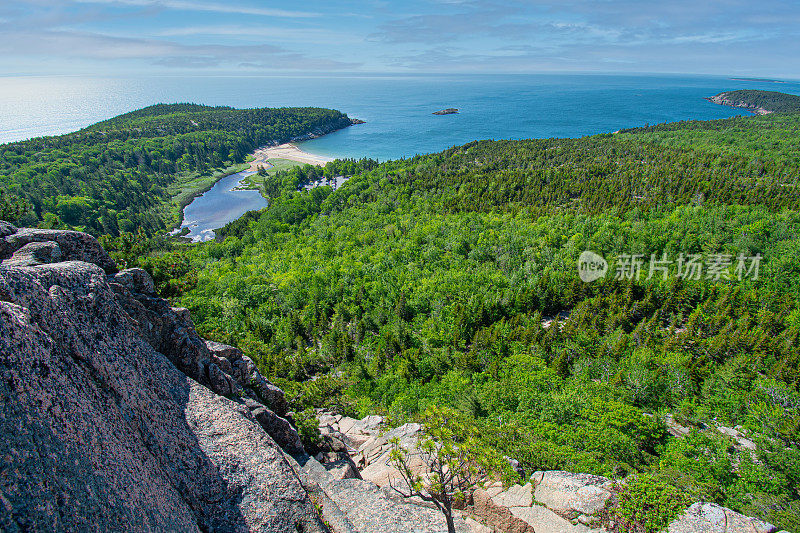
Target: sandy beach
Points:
(285, 151)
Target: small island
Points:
(759, 102)
(448, 111)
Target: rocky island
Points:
(448, 111)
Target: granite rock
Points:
(73, 245)
(101, 430)
(703, 517)
(496, 516)
(35, 253)
(571, 494)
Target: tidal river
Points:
(218, 206)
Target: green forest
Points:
(451, 280)
(136, 171)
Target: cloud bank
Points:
(245, 36)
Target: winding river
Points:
(218, 206)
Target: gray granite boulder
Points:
(278, 428)
(704, 517)
(498, 517)
(35, 253)
(244, 370)
(100, 428)
(371, 509)
(571, 494)
(508, 508)
(136, 280)
(340, 465)
(73, 245)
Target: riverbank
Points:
(288, 151)
(225, 202)
(284, 156)
(185, 190)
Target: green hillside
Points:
(136, 171)
(451, 279)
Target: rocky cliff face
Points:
(117, 416)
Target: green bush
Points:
(647, 505)
(308, 428)
(700, 464)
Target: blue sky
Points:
(249, 37)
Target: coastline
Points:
(722, 99)
(288, 151)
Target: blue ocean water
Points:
(397, 108)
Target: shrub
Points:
(700, 464)
(647, 505)
(308, 428)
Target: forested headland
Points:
(451, 280)
(136, 170)
(759, 101)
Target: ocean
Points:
(397, 109)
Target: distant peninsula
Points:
(759, 102)
(448, 111)
(763, 80)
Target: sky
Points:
(250, 37)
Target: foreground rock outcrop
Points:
(703, 517)
(114, 410)
(359, 506)
(549, 502)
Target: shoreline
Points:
(288, 151)
(183, 202)
(722, 99)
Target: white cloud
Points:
(261, 32)
(713, 38)
(188, 5)
(84, 45)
